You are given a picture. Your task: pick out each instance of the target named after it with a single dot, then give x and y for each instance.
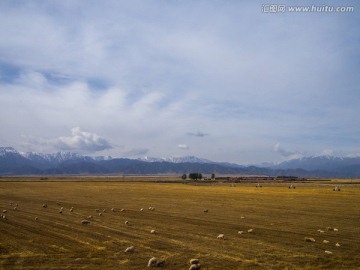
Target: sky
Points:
(222, 80)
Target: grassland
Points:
(280, 219)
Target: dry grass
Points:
(280, 219)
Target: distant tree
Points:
(184, 176)
(213, 176)
(195, 176)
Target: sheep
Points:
(335, 230)
(113, 209)
(153, 232)
(326, 242)
(130, 249)
(240, 232)
(152, 208)
(15, 208)
(250, 230)
(328, 252)
(4, 211)
(221, 237)
(90, 217)
(309, 239)
(206, 210)
(127, 222)
(45, 205)
(36, 218)
(141, 209)
(4, 217)
(329, 228)
(104, 210)
(122, 210)
(97, 210)
(320, 231)
(337, 188)
(61, 208)
(154, 262)
(242, 217)
(71, 209)
(100, 214)
(60, 211)
(337, 245)
(85, 222)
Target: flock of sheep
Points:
(194, 263)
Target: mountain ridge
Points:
(13, 162)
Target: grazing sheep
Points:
(206, 210)
(221, 237)
(112, 209)
(337, 188)
(309, 239)
(104, 210)
(152, 208)
(152, 262)
(335, 230)
(44, 205)
(153, 231)
(4, 217)
(141, 209)
(85, 222)
(100, 214)
(61, 208)
(60, 211)
(326, 242)
(320, 231)
(242, 217)
(71, 209)
(36, 218)
(240, 232)
(90, 217)
(337, 245)
(127, 223)
(122, 210)
(4, 211)
(328, 252)
(250, 230)
(130, 249)
(15, 208)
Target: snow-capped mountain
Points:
(7, 150)
(326, 163)
(186, 159)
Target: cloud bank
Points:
(143, 74)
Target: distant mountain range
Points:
(13, 162)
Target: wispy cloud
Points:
(183, 146)
(287, 153)
(144, 74)
(197, 134)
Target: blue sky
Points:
(220, 80)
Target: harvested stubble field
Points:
(280, 218)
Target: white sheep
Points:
(112, 209)
(154, 262)
(100, 214)
(240, 232)
(335, 230)
(127, 222)
(36, 218)
(44, 205)
(250, 230)
(85, 222)
(122, 210)
(153, 232)
(141, 209)
(4, 211)
(152, 208)
(337, 245)
(130, 249)
(328, 252)
(71, 209)
(221, 237)
(320, 231)
(326, 241)
(309, 239)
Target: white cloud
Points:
(248, 78)
(183, 146)
(287, 153)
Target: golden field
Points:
(33, 237)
